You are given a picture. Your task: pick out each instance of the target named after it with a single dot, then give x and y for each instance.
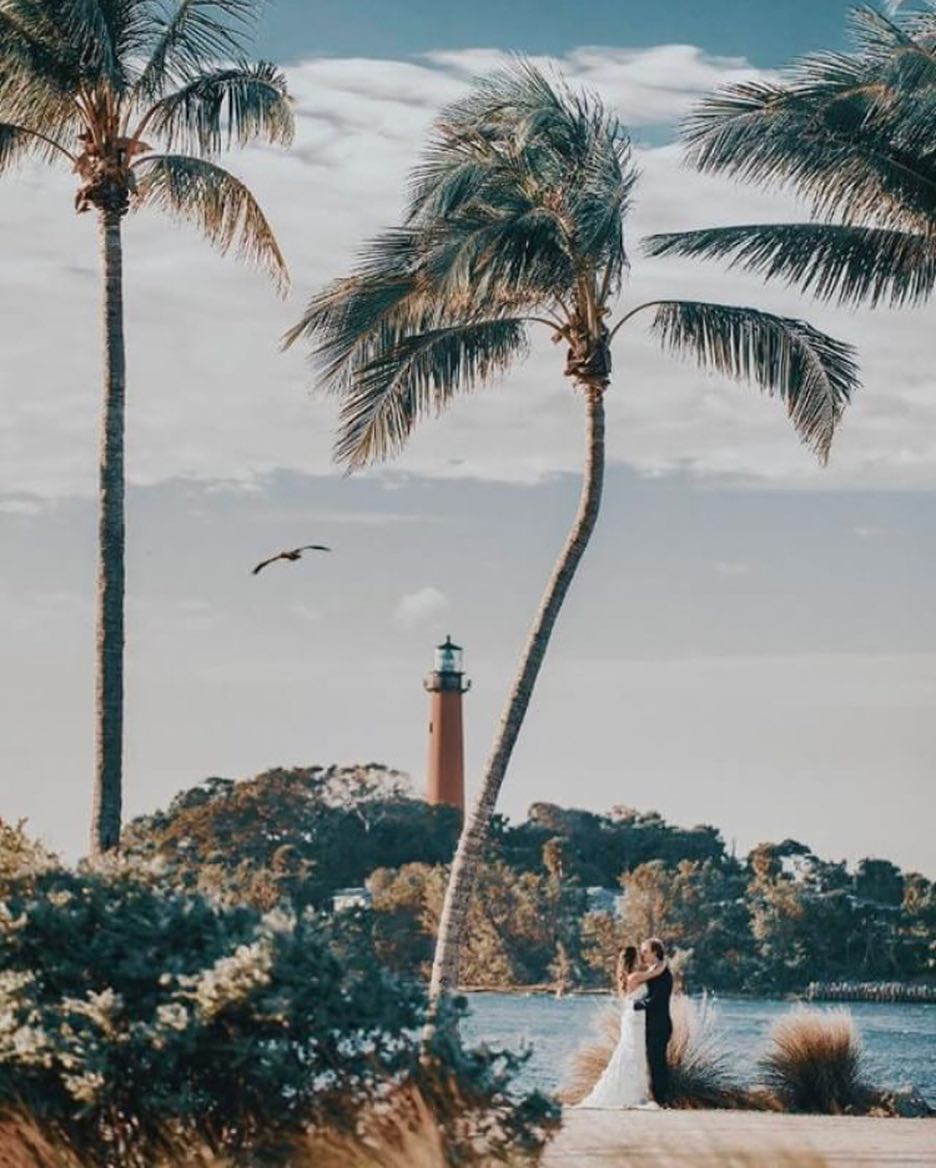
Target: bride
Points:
(625, 1081)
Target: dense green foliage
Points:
(777, 920)
(300, 833)
(129, 1010)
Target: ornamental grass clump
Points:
(698, 1063)
(814, 1063)
(590, 1059)
(699, 1075)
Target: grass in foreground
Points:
(401, 1132)
(405, 1135)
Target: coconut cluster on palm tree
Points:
(853, 133)
(515, 221)
(95, 84)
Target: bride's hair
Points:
(627, 960)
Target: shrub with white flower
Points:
(126, 1004)
(231, 980)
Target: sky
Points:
(751, 641)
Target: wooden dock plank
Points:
(722, 1139)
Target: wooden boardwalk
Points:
(738, 1139)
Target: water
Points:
(899, 1040)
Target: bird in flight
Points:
(292, 556)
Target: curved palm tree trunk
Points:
(108, 763)
(475, 830)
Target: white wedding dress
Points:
(625, 1081)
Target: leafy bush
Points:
(128, 1009)
(814, 1062)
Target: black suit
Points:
(659, 1031)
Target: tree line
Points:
(544, 912)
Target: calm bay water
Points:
(899, 1040)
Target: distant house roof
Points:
(606, 900)
(345, 898)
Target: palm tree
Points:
(90, 83)
(854, 134)
(516, 220)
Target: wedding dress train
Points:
(625, 1081)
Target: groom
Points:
(659, 1023)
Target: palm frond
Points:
(840, 157)
(751, 131)
(84, 27)
(900, 58)
(69, 41)
(920, 23)
(520, 256)
(215, 109)
(123, 30)
(813, 374)
(18, 142)
(851, 131)
(192, 38)
(517, 101)
(221, 206)
(876, 33)
(516, 209)
(31, 53)
(841, 262)
(349, 323)
(521, 146)
(416, 376)
(402, 286)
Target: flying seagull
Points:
(292, 556)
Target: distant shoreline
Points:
(891, 994)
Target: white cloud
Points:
(306, 612)
(421, 606)
(20, 507)
(732, 568)
(647, 87)
(211, 397)
(193, 605)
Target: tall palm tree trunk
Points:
(475, 831)
(108, 763)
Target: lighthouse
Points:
(445, 780)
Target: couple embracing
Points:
(637, 1074)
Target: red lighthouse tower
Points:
(446, 683)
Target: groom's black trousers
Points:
(657, 1042)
